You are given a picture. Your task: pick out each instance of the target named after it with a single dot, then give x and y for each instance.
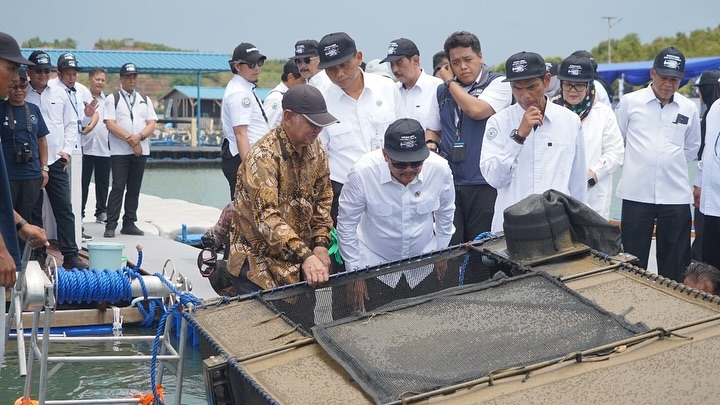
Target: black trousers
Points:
(25, 194)
(711, 241)
(474, 208)
(229, 165)
(697, 244)
(672, 235)
(127, 172)
(58, 191)
(101, 166)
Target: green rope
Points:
(335, 247)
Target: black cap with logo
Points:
(67, 61)
(670, 62)
(405, 141)
(247, 52)
(129, 69)
(335, 48)
(400, 48)
(41, 59)
(523, 66)
(305, 47)
(576, 69)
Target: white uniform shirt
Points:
(604, 151)
(552, 157)
(601, 94)
(497, 94)
(95, 142)
(362, 122)
(59, 117)
(708, 173)
(142, 111)
(241, 107)
(273, 105)
(320, 80)
(379, 219)
(419, 99)
(658, 144)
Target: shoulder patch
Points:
(275, 106)
(246, 102)
(491, 133)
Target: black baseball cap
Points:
(291, 67)
(400, 48)
(308, 101)
(708, 77)
(67, 61)
(524, 65)
(670, 62)
(405, 141)
(576, 69)
(10, 50)
(40, 59)
(585, 54)
(247, 52)
(129, 69)
(335, 48)
(305, 47)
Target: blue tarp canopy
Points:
(638, 73)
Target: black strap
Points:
(11, 120)
(260, 105)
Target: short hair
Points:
(290, 67)
(702, 273)
(95, 71)
(438, 57)
(462, 39)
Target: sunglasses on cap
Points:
(405, 165)
(306, 59)
(252, 65)
(40, 70)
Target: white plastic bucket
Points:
(105, 255)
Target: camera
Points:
(24, 155)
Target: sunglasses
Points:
(579, 87)
(306, 59)
(41, 71)
(252, 65)
(405, 165)
(19, 86)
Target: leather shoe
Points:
(131, 230)
(74, 262)
(109, 233)
(86, 237)
(101, 218)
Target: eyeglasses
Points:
(306, 59)
(19, 86)
(405, 165)
(251, 65)
(579, 87)
(45, 71)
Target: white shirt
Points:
(95, 142)
(241, 107)
(601, 94)
(497, 94)
(362, 122)
(273, 105)
(142, 112)
(657, 147)
(552, 157)
(604, 151)
(708, 173)
(419, 99)
(320, 80)
(60, 119)
(380, 220)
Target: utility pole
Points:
(610, 25)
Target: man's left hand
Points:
(322, 254)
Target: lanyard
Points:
(130, 105)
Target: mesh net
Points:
(418, 344)
(375, 287)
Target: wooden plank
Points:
(85, 317)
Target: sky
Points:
(504, 27)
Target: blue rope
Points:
(461, 280)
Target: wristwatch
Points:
(142, 137)
(591, 182)
(447, 82)
(515, 136)
(433, 142)
(45, 168)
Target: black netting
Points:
(463, 333)
(414, 277)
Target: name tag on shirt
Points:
(681, 119)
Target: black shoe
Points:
(101, 218)
(109, 233)
(86, 238)
(74, 262)
(131, 230)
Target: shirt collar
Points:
(649, 95)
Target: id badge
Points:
(376, 144)
(458, 152)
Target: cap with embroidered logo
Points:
(129, 69)
(400, 48)
(576, 69)
(305, 47)
(247, 52)
(41, 59)
(10, 50)
(524, 65)
(335, 48)
(67, 61)
(670, 62)
(405, 141)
